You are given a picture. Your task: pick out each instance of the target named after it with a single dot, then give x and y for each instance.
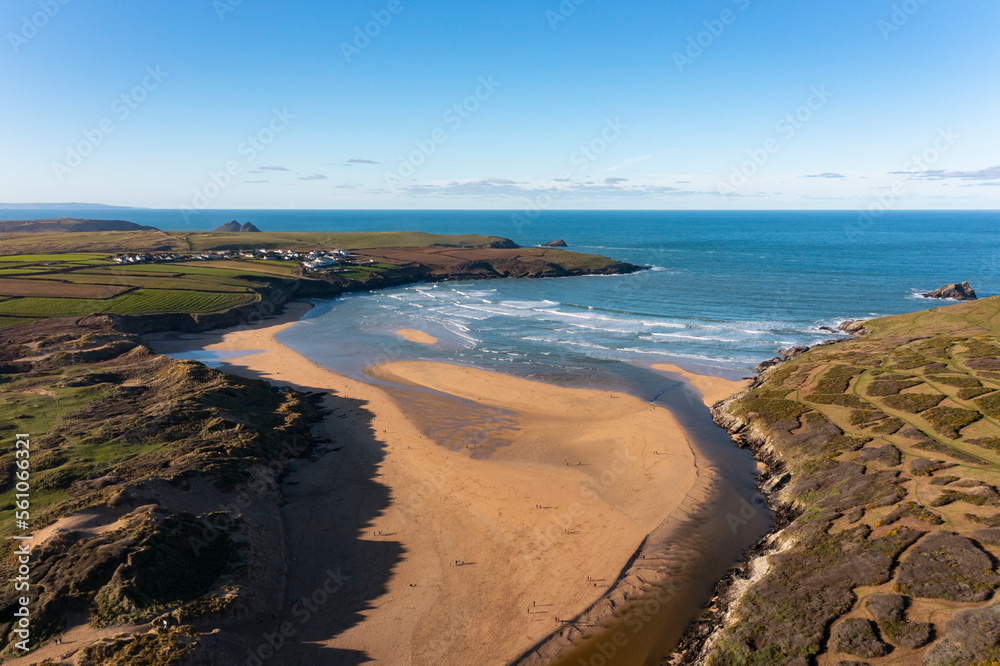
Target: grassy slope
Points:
(874, 475)
(105, 415)
(100, 241)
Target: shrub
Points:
(863, 416)
(837, 379)
(912, 509)
(947, 566)
(857, 636)
(925, 467)
(981, 348)
(970, 393)
(891, 387)
(949, 421)
(913, 403)
(979, 499)
(840, 399)
(889, 426)
(990, 405)
(906, 634)
(886, 607)
(991, 443)
(958, 381)
(769, 410)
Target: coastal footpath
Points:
(882, 458)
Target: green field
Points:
(61, 258)
(11, 322)
(142, 301)
(153, 288)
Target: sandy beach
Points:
(712, 389)
(470, 553)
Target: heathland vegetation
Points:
(884, 458)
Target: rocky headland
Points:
(957, 292)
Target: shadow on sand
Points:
(336, 565)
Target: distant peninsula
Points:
(68, 225)
(65, 206)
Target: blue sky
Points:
(685, 104)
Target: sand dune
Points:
(605, 468)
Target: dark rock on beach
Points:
(958, 292)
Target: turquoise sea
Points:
(726, 289)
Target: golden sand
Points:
(414, 335)
(712, 389)
(582, 479)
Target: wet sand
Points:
(414, 335)
(470, 558)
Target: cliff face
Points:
(883, 456)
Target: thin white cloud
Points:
(628, 162)
(499, 188)
(989, 173)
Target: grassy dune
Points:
(891, 447)
(106, 416)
